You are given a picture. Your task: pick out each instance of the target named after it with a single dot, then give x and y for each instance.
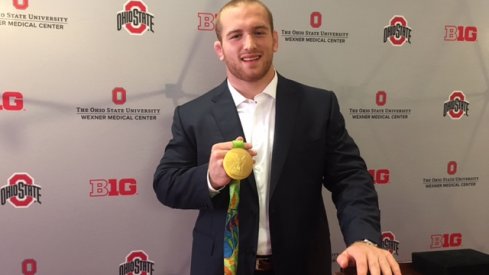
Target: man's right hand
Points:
(218, 177)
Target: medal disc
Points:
(238, 163)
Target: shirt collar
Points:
(270, 89)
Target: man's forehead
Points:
(246, 15)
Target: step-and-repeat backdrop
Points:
(88, 88)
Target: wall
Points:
(87, 103)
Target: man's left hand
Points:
(369, 258)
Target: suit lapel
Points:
(227, 119)
(287, 103)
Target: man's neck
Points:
(251, 89)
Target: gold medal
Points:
(238, 163)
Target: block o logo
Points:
(21, 4)
(119, 96)
(29, 267)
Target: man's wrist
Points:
(369, 242)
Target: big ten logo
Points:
(206, 21)
(137, 262)
(316, 19)
(29, 267)
(449, 240)
(452, 168)
(380, 176)
(390, 243)
(119, 96)
(21, 4)
(460, 33)
(11, 101)
(381, 98)
(113, 187)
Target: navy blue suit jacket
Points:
(311, 149)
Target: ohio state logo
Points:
(20, 191)
(390, 243)
(456, 105)
(135, 18)
(398, 32)
(137, 263)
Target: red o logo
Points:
(29, 267)
(21, 4)
(452, 168)
(136, 5)
(316, 19)
(381, 98)
(119, 96)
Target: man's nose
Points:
(249, 42)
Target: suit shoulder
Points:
(201, 101)
(307, 89)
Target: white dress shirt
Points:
(257, 117)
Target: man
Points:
(298, 139)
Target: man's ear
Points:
(275, 41)
(218, 50)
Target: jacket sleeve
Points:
(351, 185)
(180, 181)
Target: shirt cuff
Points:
(212, 192)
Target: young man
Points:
(298, 139)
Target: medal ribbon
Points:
(231, 230)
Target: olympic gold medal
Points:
(238, 163)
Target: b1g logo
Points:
(380, 176)
(113, 187)
(21, 4)
(450, 240)
(456, 105)
(206, 21)
(11, 101)
(397, 32)
(390, 243)
(461, 33)
(135, 18)
(29, 267)
(20, 191)
(137, 263)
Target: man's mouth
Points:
(249, 58)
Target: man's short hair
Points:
(235, 3)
